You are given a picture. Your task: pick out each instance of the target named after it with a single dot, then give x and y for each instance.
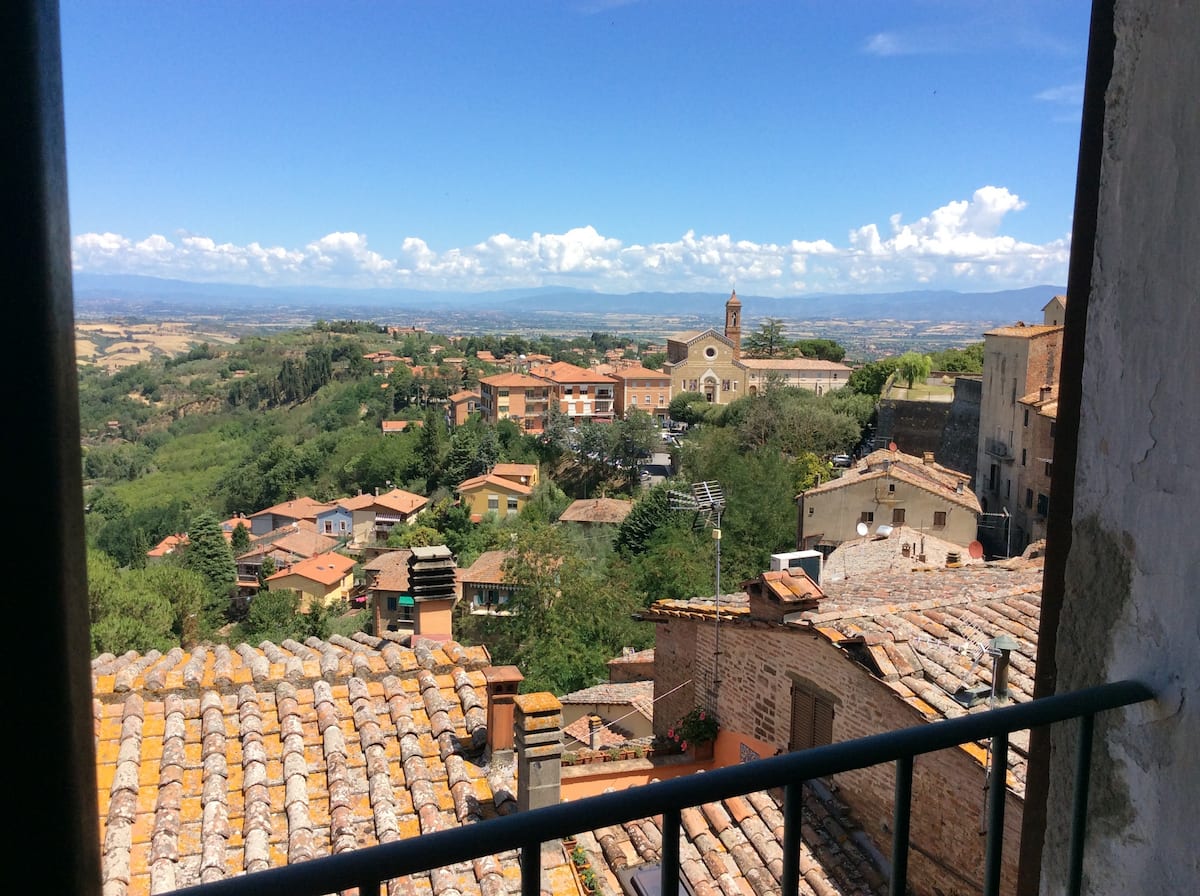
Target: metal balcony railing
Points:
(367, 869)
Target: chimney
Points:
(537, 738)
(595, 723)
(928, 458)
(1001, 648)
(953, 559)
(1044, 393)
(502, 682)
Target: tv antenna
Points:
(707, 500)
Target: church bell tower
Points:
(733, 323)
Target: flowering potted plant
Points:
(695, 731)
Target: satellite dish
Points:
(975, 549)
(862, 529)
(892, 446)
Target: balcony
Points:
(526, 832)
(998, 449)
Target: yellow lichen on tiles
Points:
(104, 684)
(408, 826)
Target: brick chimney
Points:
(538, 742)
(502, 682)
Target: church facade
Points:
(708, 362)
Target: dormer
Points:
(779, 593)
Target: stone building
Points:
(888, 488)
(706, 361)
(1018, 362)
(790, 664)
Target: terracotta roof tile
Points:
(225, 760)
(596, 510)
(734, 847)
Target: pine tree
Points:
(209, 554)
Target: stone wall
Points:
(759, 664)
(915, 426)
(960, 436)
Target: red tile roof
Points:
(496, 482)
(299, 509)
(596, 510)
(488, 569)
(325, 569)
(564, 373)
(389, 571)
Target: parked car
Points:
(842, 460)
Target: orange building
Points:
(517, 397)
(583, 395)
(642, 388)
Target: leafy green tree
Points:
(768, 341)
(273, 616)
(430, 443)
(822, 349)
(240, 539)
(416, 535)
(545, 504)
(959, 360)
(636, 437)
(654, 360)
(913, 366)
(185, 591)
(688, 407)
(872, 377)
(208, 554)
(265, 570)
(125, 614)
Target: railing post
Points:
(670, 853)
(531, 869)
(368, 888)
(997, 791)
(793, 804)
(901, 816)
(1083, 773)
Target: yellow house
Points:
(494, 494)
(325, 578)
(890, 489)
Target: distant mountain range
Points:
(98, 293)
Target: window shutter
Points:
(802, 720)
(822, 723)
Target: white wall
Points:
(1132, 604)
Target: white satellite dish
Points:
(862, 529)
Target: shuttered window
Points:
(812, 720)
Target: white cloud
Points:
(1067, 95)
(961, 244)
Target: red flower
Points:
(683, 746)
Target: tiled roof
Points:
(1025, 331)
(637, 372)
(464, 395)
(299, 509)
(607, 735)
(389, 571)
(634, 656)
(733, 848)
(924, 633)
(565, 372)
(734, 608)
(637, 694)
(488, 569)
(496, 482)
(225, 760)
(792, 364)
(872, 555)
(297, 542)
(514, 379)
(931, 477)
(168, 545)
(596, 510)
(400, 501)
(507, 470)
(327, 569)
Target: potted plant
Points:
(578, 856)
(587, 877)
(695, 731)
(569, 757)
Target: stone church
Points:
(707, 362)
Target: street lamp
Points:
(707, 500)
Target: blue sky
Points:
(780, 148)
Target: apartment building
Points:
(515, 396)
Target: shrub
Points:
(696, 727)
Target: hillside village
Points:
(868, 587)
